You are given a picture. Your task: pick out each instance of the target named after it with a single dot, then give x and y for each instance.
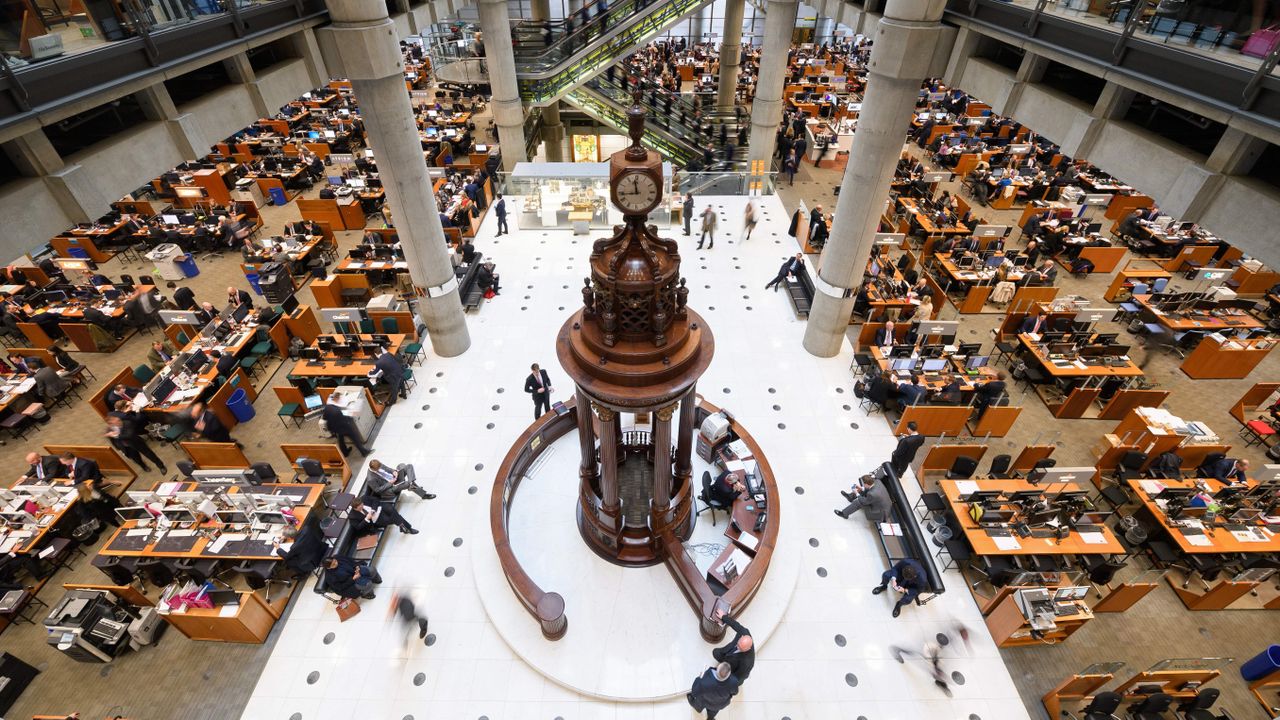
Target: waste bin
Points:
(240, 406)
(165, 256)
(77, 251)
(278, 197)
(187, 263)
(253, 282)
(1262, 664)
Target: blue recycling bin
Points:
(1262, 664)
(277, 196)
(76, 251)
(187, 263)
(240, 406)
(253, 282)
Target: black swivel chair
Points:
(1167, 465)
(185, 468)
(1000, 466)
(962, 469)
(1197, 708)
(310, 471)
(1115, 493)
(264, 472)
(1102, 707)
(1153, 708)
(1037, 471)
(705, 497)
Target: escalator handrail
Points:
(591, 29)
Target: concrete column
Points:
(368, 53)
(1236, 152)
(1030, 71)
(1114, 102)
(730, 53)
(241, 71)
(966, 45)
(588, 471)
(157, 104)
(508, 114)
(305, 46)
(766, 109)
(553, 132)
(904, 41)
(33, 154)
(539, 9)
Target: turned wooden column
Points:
(588, 471)
(608, 461)
(684, 435)
(662, 459)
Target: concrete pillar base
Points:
(766, 109)
(446, 324)
(824, 332)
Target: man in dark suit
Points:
(239, 297)
(468, 251)
(206, 313)
(905, 452)
(1232, 472)
(866, 493)
(386, 484)
(226, 362)
(302, 549)
(988, 393)
(349, 578)
(118, 393)
(44, 468)
(723, 490)
(106, 322)
(81, 469)
(343, 429)
(49, 383)
(713, 690)
(906, 577)
(911, 393)
(686, 212)
(207, 424)
(885, 335)
(789, 267)
(500, 209)
(739, 653)
(368, 517)
(539, 386)
(392, 374)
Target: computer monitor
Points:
(1025, 495)
(969, 349)
(980, 496)
(1246, 515)
(1105, 338)
(904, 364)
(241, 312)
(270, 517)
(233, 517)
(994, 260)
(289, 305)
(1093, 228)
(179, 514)
(1061, 348)
(934, 365)
(901, 351)
(325, 342)
(17, 517)
(310, 353)
(343, 351)
(196, 361)
(135, 512)
(169, 219)
(973, 362)
(1057, 475)
(1071, 593)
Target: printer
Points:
(93, 626)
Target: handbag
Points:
(1262, 41)
(347, 609)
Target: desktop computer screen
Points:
(904, 364)
(974, 362)
(935, 365)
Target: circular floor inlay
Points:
(727, 391)
(853, 425)
(748, 307)
(975, 716)
(501, 390)
(426, 407)
(772, 391)
(840, 641)
(295, 716)
(419, 679)
(329, 638)
(799, 490)
(432, 390)
(782, 426)
(846, 407)
(431, 639)
(479, 467)
(440, 374)
(957, 677)
(851, 679)
(943, 640)
(777, 407)
(417, 426)
(840, 390)
(496, 407)
(448, 572)
(489, 426)
(822, 572)
(407, 717)
(472, 490)
(457, 542)
(313, 677)
(813, 542)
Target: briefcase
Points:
(347, 609)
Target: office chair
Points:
(1205, 468)
(258, 575)
(1167, 465)
(1000, 466)
(264, 472)
(198, 570)
(705, 497)
(958, 553)
(962, 468)
(1115, 493)
(1101, 569)
(1102, 707)
(934, 506)
(186, 468)
(1153, 708)
(157, 571)
(1197, 708)
(1037, 471)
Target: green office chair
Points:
(262, 344)
(183, 339)
(143, 374)
(366, 327)
(390, 326)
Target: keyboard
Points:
(1042, 533)
(997, 532)
(1088, 528)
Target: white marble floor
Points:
(827, 658)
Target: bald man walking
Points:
(740, 652)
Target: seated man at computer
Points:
(911, 393)
(989, 393)
(949, 394)
(1229, 470)
(369, 516)
(723, 491)
(226, 362)
(386, 484)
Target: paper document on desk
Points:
(1198, 540)
(355, 265)
(181, 533)
(965, 487)
(1007, 543)
(890, 529)
(1151, 487)
(8, 545)
(228, 610)
(167, 489)
(1093, 538)
(138, 533)
(1248, 535)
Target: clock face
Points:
(637, 193)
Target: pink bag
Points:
(1262, 41)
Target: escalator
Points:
(554, 57)
(677, 129)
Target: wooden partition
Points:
(996, 421)
(63, 245)
(867, 335)
(80, 336)
(280, 336)
(1200, 254)
(1038, 293)
(303, 324)
(215, 456)
(1122, 205)
(941, 457)
(36, 335)
(39, 353)
(344, 216)
(110, 462)
(218, 402)
(1252, 401)
(403, 319)
(1173, 682)
(1104, 259)
(1125, 400)
(328, 292)
(1077, 688)
(935, 419)
(98, 398)
(328, 455)
(1031, 455)
(171, 332)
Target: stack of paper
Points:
(1093, 538)
(1199, 540)
(890, 529)
(1007, 543)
